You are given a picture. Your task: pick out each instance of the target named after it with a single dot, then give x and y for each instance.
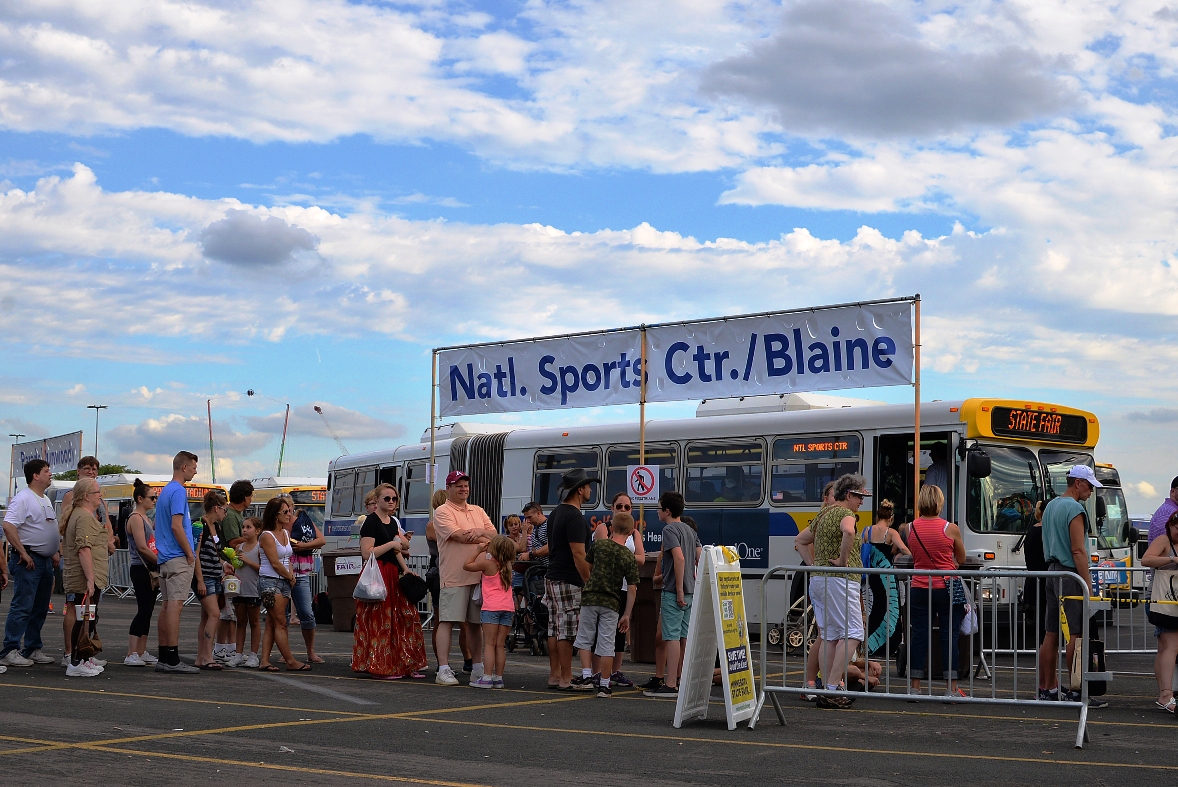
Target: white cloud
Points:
(348, 424)
(172, 433)
(76, 389)
(242, 238)
(1145, 489)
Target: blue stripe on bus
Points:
(782, 524)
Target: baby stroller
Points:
(529, 625)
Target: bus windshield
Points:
(1005, 501)
(1056, 465)
(1113, 530)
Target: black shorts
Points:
(248, 601)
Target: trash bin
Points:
(342, 568)
(645, 616)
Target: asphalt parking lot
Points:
(133, 726)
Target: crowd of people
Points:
(238, 566)
(268, 561)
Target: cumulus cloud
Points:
(348, 424)
(242, 238)
(29, 429)
(169, 434)
(856, 67)
(1145, 489)
(1158, 415)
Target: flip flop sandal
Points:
(269, 668)
(212, 665)
(303, 668)
(417, 675)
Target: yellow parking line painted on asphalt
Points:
(300, 769)
(799, 746)
(178, 699)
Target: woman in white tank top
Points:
(275, 580)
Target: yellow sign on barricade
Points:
(718, 629)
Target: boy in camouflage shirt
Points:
(601, 602)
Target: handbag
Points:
(370, 586)
(1163, 597)
(89, 643)
(413, 587)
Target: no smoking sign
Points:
(642, 483)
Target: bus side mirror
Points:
(1101, 508)
(1131, 534)
(978, 463)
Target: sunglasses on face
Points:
(388, 499)
(154, 498)
(622, 507)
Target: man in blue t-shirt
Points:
(177, 560)
(1065, 548)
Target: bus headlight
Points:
(987, 593)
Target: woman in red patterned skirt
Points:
(388, 639)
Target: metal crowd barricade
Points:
(419, 564)
(1015, 683)
(118, 574)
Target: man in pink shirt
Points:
(463, 530)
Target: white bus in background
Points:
(752, 470)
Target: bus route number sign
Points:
(642, 483)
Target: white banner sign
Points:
(642, 483)
(61, 452)
(820, 350)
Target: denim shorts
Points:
(498, 618)
(214, 587)
(76, 598)
(272, 587)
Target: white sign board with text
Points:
(61, 452)
(642, 484)
(352, 564)
(855, 346)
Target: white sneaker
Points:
(148, 659)
(234, 660)
(13, 659)
(97, 662)
(82, 670)
(476, 672)
(445, 677)
(3, 669)
(133, 660)
(251, 661)
(93, 664)
(65, 660)
(38, 657)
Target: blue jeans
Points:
(31, 593)
(918, 606)
(301, 593)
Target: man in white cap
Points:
(1065, 548)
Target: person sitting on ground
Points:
(613, 568)
(1162, 557)
(498, 607)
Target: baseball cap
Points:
(455, 476)
(1084, 473)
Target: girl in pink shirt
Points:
(498, 608)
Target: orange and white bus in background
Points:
(309, 495)
(117, 492)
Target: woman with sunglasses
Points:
(389, 643)
(621, 504)
(143, 565)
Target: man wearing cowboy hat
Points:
(569, 534)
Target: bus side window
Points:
(551, 465)
(803, 465)
(619, 458)
(416, 488)
(341, 494)
(365, 483)
(728, 472)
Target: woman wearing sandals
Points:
(209, 577)
(389, 643)
(275, 581)
(1162, 557)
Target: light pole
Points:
(11, 469)
(97, 408)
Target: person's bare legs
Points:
(137, 645)
(672, 652)
(207, 632)
(489, 631)
(69, 617)
(463, 645)
(168, 626)
(553, 663)
(812, 658)
(500, 650)
(660, 650)
(309, 641)
(277, 635)
(1049, 661)
(564, 651)
(443, 636)
(1163, 665)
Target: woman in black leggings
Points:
(143, 562)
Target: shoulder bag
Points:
(1163, 597)
(89, 643)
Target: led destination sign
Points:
(1039, 425)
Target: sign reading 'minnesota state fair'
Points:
(856, 346)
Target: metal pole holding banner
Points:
(642, 428)
(433, 424)
(212, 458)
(916, 421)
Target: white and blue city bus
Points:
(752, 470)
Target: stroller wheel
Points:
(535, 648)
(510, 642)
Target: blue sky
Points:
(302, 198)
